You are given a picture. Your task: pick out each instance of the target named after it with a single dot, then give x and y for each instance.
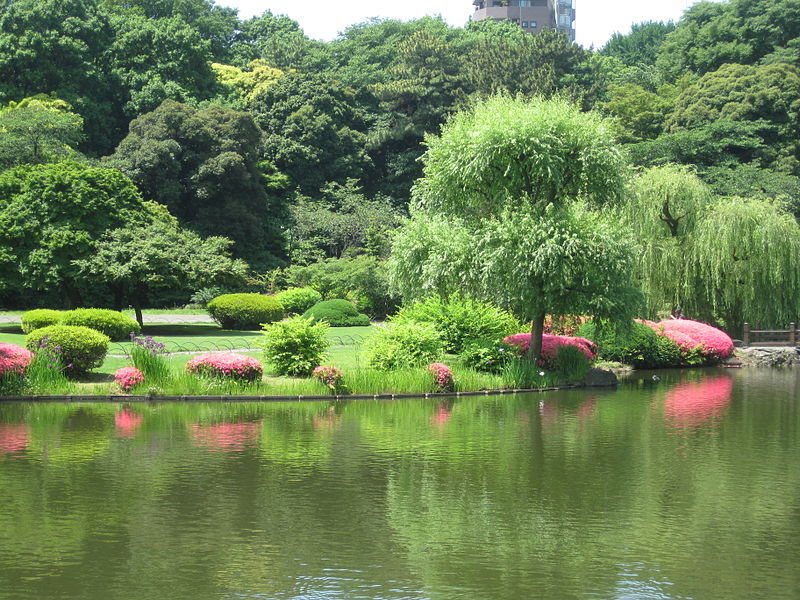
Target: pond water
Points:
(686, 488)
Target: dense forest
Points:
(304, 153)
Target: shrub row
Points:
(116, 325)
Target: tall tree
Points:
(52, 215)
(713, 258)
(203, 165)
(38, 130)
(497, 214)
(640, 46)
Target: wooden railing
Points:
(770, 337)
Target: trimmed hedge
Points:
(244, 311)
(40, 317)
(297, 300)
(337, 313)
(116, 325)
(80, 349)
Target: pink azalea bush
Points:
(550, 346)
(226, 364)
(443, 377)
(329, 375)
(128, 377)
(14, 359)
(712, 343)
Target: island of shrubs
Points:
(434, 345)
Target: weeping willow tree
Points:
(507, 212)
(725, 260)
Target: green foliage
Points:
(337, 313)
(713, 258)
(573, 364)
(80, 349)
(460, 320)
(506, 154)
(298, 300)
(362, 279)
(487, 355)
(54, 215)
(641, 45)
(244, 311)
(140, 261)
(202, 165)
(46, 375)
(38, 130)
(519, 373)
(116, 325)
(401, 345)
(633, 344)
(40, 317)
(295, 346)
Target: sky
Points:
(596, 20)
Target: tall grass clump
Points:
(46, 374)
(521, 373)
(397, 381)
(573, 364)
(148, 356)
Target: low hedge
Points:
(116, 325)
(40, 317)
(244, 311)
(337, 313)
(80, 349)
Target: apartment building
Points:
(531, 15)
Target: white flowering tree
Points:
(510, 209)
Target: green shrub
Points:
(80, 348)
(114, 324)
(461, 321)
(521, 373)
(572, 363)
(337, 313)
(637, 345)
(295, 346)
(362, 279)
(668, 353)
(297, 300)
(487, 355)
(401, 345)
(41, 317)
(244, 311)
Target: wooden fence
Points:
(770, 337)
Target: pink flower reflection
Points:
(225, 437)
(692, 404)
(587, 409)
(442, 415)
(126, 422)
(13, 438)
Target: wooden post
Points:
(746, 335)
(793, 334)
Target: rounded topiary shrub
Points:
(116, 325)
(297, 300)
(295, 346)
(244, 311)
(401, 345)
(636, 345)
(461, 321)
(337, 313)
(79, 349)
(40, 317)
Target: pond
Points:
(683, 488)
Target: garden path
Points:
(170, 319)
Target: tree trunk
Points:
(136, 298)
(72, 294)
(537, 330)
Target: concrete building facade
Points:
(531, 15)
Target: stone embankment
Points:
(763, 356)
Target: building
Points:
(531, 15)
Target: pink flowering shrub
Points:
(443, 377)
(14, 359)
(550, 346)
(330, 376)
(128, 377)
(226, 364)
(694, 337)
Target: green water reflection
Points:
(688, 488)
